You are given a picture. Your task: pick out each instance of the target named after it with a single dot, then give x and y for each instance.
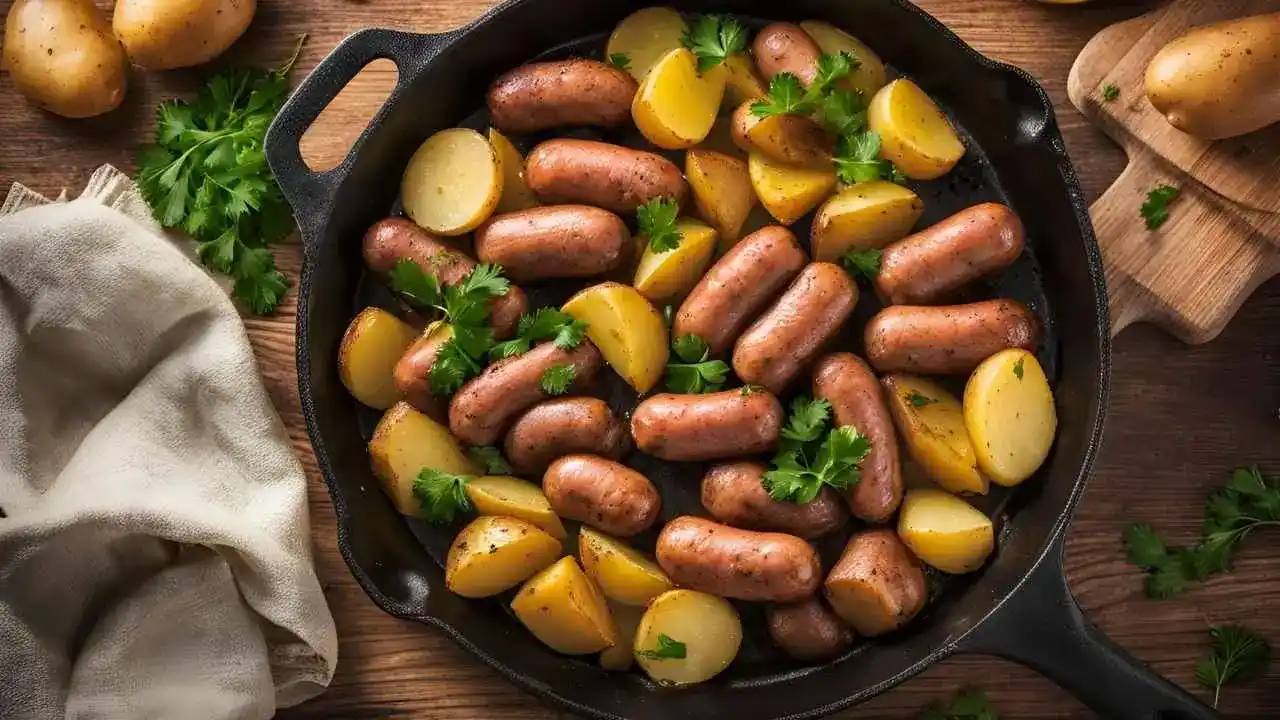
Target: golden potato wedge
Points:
(372, 345)
(914, 133)
(645, 37)
(516, 194)
(863, 216)
(930, 421)
(788, 191)
(675, 107)
(626, 618)
(787, 139)
(687, 637)
(742, 81)
(945, 531)
(626, 328)
(877, 585)
(493, 554)
(565, 610)
(664, 277)
(722, 190)
(869, 76)
(622, 573)
(513, 497)
(1010, 416)
(453, 182)
(406, 441)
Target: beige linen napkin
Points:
(155, 557)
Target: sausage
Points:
(602, 493)
(784, 47)
(948, 339)
(732, 494)
(564, 426)
(612, 177)
(809, 630)
(483, 408)
(857, 399)
(704, 555)
(544, 95)
(726, 424)
(554, 241)
(877, 585)
(411, 373)
(792, 332)
(739, 286)
(393, 239)
(927, 266)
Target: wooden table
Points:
(1181, 417)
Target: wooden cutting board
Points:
(1222, 238)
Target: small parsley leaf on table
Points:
(695, 373)
(713, 38)
(1110, 92)
(443, 495)
(1156, 208)
(1235, 653)
(657, 222)
(967, 704)
(557, 379)
(668, 649)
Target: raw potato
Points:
(788, 139)
(788, 191)
(869, 76)
(863, 216)
(675, 106)
(513, 497)
(945, 531)
(721, 189)
(493, 554)
(914, 133)
(626, 618)
(373, 344)
(708, 626)
(405, 442)
(453, 182)
(668, 276)
(645, 36)
(63, 58)
(167, 34)
(516, 194)
(627, 329)
(742, 81)
(935, 433)
(622, 573)
(1009, 413)
(565, 610)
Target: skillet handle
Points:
(1041, 626)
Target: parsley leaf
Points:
(844, 112)
(622, 61)
(419, 288)
(695, 374)
(862, 262)
(544, 324)
(557, 379)
(858, 159)
(917, 400)
(657, 221)
(443, 495)
(1235, 652)
(788, 96)
(491, 458)
(1017, 369)
(668, 649)
(1110, 92)
(967, 704)
(809, 456)
(1156, 208)
(751, 389)
(713, 38)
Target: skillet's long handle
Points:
(1041, 626)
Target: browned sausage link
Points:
(412, 374)
(947, 339)
(602, 493)
(540, 96)
(732, 494)
(877, 585)
(484, 407)
(739, 286)
(393, 239)
(857, 399)
(926, 267)
(809, 630)
(784, 47)
(792, 332)
(564, 426)
(554, 241)
(727, 424)
(704, 555)
(595, 173)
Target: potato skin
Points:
(411, 374)
(555, 241)
(713, 426)
(544, 95)
(167, 34)
(564, 426)
(704, 555)
(733, 495)
(929, 265)
(603, 494)
(857, 399)
(612, 177)
(62, 57)
(877, 585)
(784, 47)
(948, 339)
(809, 630)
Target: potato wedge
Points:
(945, 531)
(787, 139)
(622, 573)
(626, 328)
(931, 423)
(707, 628)
(914, 133)
(626, 618)
(516, 194)
(1010, 416)
(645, 36)
(453, 182)
(721, 189)
(513, 497)
(877, 585)
(565, 610)
(372, 345)
(675, 107)
(406, 441)
(493, 554)
(788, 191)
(869, 76)
(664, 277)
(742, 81)
(862, 217)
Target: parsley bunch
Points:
(207, 174)
(657, 221)
(443, 495)
(713, 38)
(1234, 652)
(788, 96)
(968, 704)
(695, 373)
(810, 456)
(545, 324)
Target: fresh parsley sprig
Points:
(556, 379)
(967, 704)
(657, 221)
(695, 373)
(858, 159)
(862, 262)
(844, 112)
(810, 456)
(788, 96)
(918, 400)
(1110, 92)
(1235, 652)
(668, 649)
(443, 495)
(545, 324)
(491, 458)
(622, 61)
(713, 38)
(1156, 208)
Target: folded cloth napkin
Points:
(155, 556)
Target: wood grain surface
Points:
(1180, 417)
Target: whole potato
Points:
(166, 34)
(62, 57)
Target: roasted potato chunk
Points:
(706, 628)
(945, 531)
(406, 441)
(565, 610)
(1010, 416)
(931, 422)
(373, 344)
(622, 573)
(494, 553)
(626, 328)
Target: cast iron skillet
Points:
(1018, 607)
